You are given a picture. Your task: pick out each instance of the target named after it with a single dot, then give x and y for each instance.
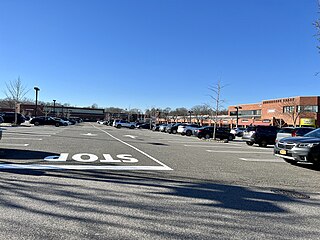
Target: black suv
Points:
(46, 121)
(173, 128)
(263, 135)
(207, 132)
(9, 117)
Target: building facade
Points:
(293, 111)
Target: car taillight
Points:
(200, 130)
(294, 134)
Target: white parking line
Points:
(34, 135)
(32, 139)
(262, 160)
(237, 152)
(14, 144)
(210, 146)
(80, 167)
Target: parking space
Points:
(238, 148)
(74, 147)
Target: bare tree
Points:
(217, 102)
(15, 92)
(293, 110)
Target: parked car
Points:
(246, 135)
(156, 127)
(238, 131)
(173, 128)
(300, 149)
(187, 129)
(207, 132)
(144, 125)
(9, 117)
(263, 136)
(124, 123)
(162, 127)
(46, 121)
(293, 132)
(64, 122)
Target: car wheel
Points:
(132, 127)
(174, 131)
(263, 143)
(249, 143)
(119, 126)
(230, 138)
(36, 123)
(188, 133)
(57, 124)
(207, 136)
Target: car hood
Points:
(300, 140)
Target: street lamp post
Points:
(37, 90)
(190, 112)
(237, 112)
(54, 107)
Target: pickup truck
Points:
(124, 123)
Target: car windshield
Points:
(314, 133)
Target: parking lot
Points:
(98, 182)
(91, 146)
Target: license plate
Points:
(283, 152)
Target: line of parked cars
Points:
(293, 144)
(189, 129)
(11, 117)
(47, 120)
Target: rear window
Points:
(286, 130)
(249, 129)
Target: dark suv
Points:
(9, 117)
(46, 121)
(207, 132)
(263, 135)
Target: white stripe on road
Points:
(35, 139)
(137, 149)
(237, 152)
(14, 144)
(214, 146)
(35, 135)
(79, 167)
(262, 160)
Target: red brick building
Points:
(293, 111)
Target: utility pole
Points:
(37, 90)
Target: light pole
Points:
(54, 107)
(237, 112)
(190, 112)
(37, 90)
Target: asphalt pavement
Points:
(92, 181)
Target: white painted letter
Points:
(109, 159)
(127, 158)
(62, 158)
(78, 157)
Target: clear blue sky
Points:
(159, 53)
